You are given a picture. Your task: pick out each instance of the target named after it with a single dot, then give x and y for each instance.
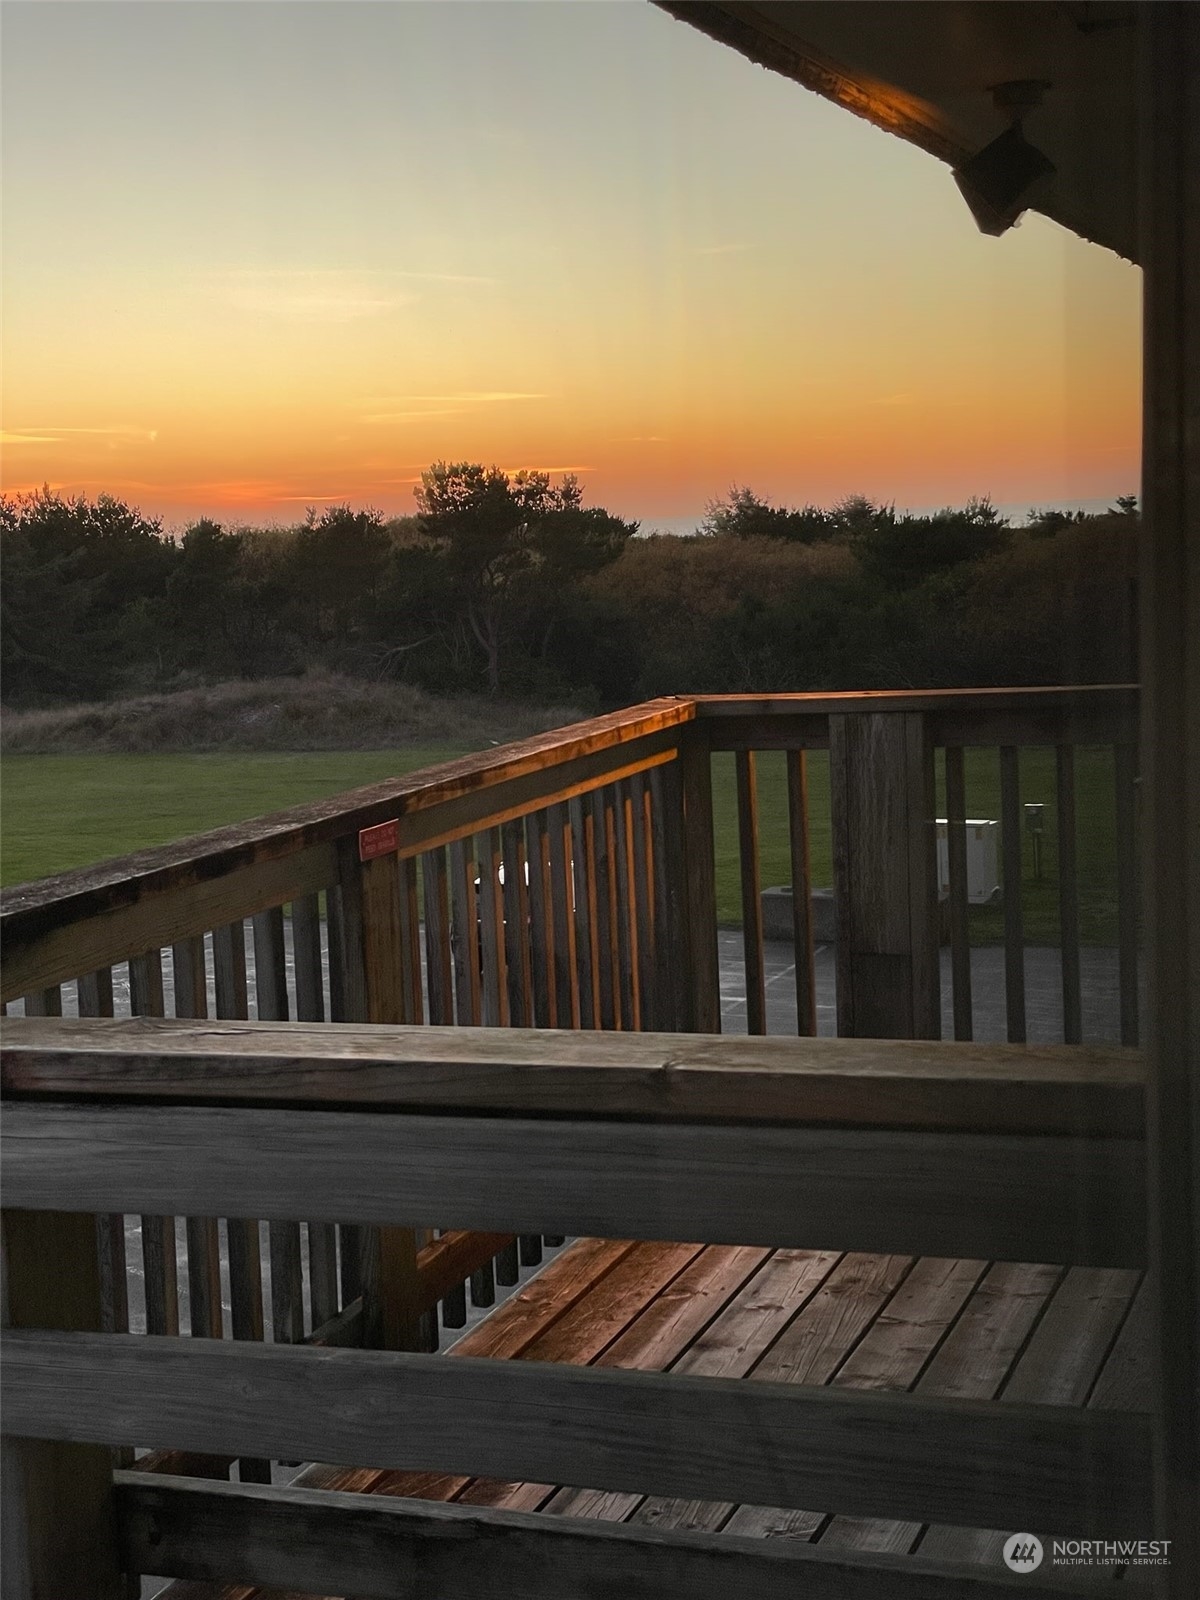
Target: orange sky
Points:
(260, 256)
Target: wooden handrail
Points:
(899, 1083)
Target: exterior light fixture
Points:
(996, 183)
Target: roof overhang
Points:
(924, 70)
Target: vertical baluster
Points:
(624, 919)
(543, 951)
(600, 809)
(270, 966)
(190, 978)
(1014, 935)
(306, 955)
(802, 928)
(347, 1003)
(270, 985)
(752, 928)
(439, 978)
(956, 855)
(491, 930)
(158, 1233)
(95, 991)
(1068, 895)
(45, 1003)
(666, 858)
(515, 902)
(229, 971)
(560, 850)
(698, 968)
(373, 983)
(410, 944)
(1125, 779)
(245, 1264)
(648, 999)
(583, 874)
(464, 903)
(203, 1237)
(483, 1285)
(310, 1007)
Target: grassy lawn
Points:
(68, 811)
(1095, 837)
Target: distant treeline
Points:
(510, 583)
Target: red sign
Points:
(381, 840)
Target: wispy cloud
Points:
(325, 294)
(120, 434)
(441, 405)
(640, 438)
(734, 249)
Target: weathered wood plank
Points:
(389, 1549)
(1058, 1366)
(1002, 1196)
(809, 1348)
(759, 1443)
(751, 882)
(58, 1521)
(956, 851)
(1047, 1089)
(60, 927)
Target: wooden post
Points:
(1169, 152)
(885, 875)
(692, 867)
(59, 1528)
(373, 981)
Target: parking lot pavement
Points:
(1043, 991)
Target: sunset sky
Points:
(262, 254)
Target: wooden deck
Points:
(944, 1328)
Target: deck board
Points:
(948, 1328)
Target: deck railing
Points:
(564, 882)
(955, 1150)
